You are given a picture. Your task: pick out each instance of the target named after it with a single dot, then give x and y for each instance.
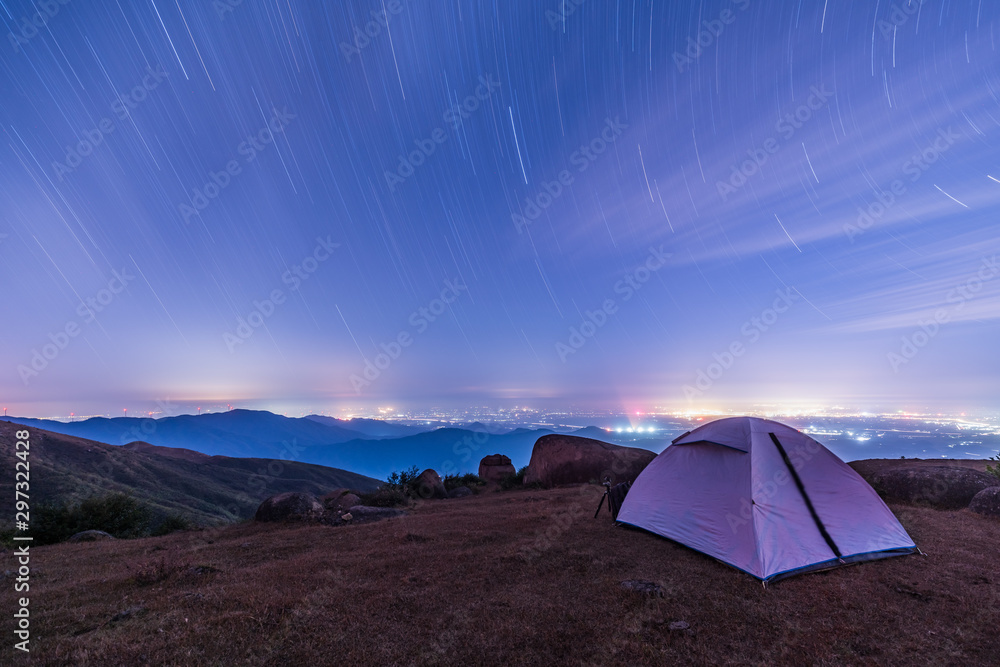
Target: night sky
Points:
(618, 205)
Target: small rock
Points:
(460, 492)
(647, 588)
(91, 536)
(363, 514)
(680, 625)
(347, 517)
(122, 615)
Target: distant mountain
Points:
(373, 428)
(367, 447)
(206, 489)
(446, 450)
(593, 432)
(239, 433)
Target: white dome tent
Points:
(764, 498)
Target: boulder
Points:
(429, 485)
(986, 502)
(566, 459)
(290, 507)
(941, 487)
(460, 492)
(91, 536)
(340, 499)
(495, 467)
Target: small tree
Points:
(469, 480)
(514, 480)
(993, 470)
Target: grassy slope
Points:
(449, 584)
(219, 489)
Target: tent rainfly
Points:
(764, 498)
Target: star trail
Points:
(298, 204)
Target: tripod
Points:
(615, 495)
(607, 494)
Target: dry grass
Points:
(455, 583)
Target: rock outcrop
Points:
(290, 507)
(495, 467)
(941, 487)
(566, 459)
(340, 499)
(429, 485)
(460, 492)
(987, 502)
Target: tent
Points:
(764, 498)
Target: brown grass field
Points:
(470, 582)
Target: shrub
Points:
(384, 496)
(118, 514)
(470, 480)
(514, 480)
(993, 470)
(405, 481)
(171, 524)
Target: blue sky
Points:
(260, 203)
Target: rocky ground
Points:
(515, 578)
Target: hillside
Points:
(372, 428)
(507, 578)
(234, 433)
(206, 490)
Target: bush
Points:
(384, 496)
(993, 470)
(405, 481)
(171, 524)
(118, 514)
(514, 481)
(470, 480)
